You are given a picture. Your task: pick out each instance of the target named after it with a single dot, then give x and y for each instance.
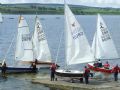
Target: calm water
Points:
(53, 27)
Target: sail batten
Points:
(103, 45)
(40, 45)
(23, 26)
(77, 47)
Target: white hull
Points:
(43, 66)
(69, 73)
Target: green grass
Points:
(56, 10)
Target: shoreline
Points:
(67, 85)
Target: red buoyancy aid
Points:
(106, 65)
(87, 71)
(116, 69)
(53, 67)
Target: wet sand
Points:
(68, 85)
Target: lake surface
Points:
(53, 26)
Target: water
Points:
(53, 28)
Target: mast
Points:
(96, 42)
(64, 31)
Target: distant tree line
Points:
(33, 9)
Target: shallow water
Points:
(53, 28)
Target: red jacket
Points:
(106, 65)
(87, 71)
(116, 69)
(53, 67)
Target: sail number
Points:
(40, 33)
(105, 34)
(26, 37)
(76, 33)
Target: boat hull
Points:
(69, 73)
(98, 69)
(41, 65)
(19, 70)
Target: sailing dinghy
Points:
(24, 52)
(77, 48)
(103, 46)
(40, 46)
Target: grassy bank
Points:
(33, 9)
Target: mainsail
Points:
(40, 45)
(24, 50)
(103, 46)
(77, 47)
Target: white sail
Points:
(1, 18)
(103, 45)
(24, 50)
(40, 45)
(77, 47)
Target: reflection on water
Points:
(20, 82)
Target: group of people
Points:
(53, 67)
(98, 63)
(87, 73)
(115, 69)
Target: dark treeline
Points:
(56, 9)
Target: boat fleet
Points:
(77, 48)
(29, 50)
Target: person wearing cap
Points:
(99, 63)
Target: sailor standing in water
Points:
(3, 68)
(33, 66)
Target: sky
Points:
(95, 3)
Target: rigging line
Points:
(58, 47)
(9, 47)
